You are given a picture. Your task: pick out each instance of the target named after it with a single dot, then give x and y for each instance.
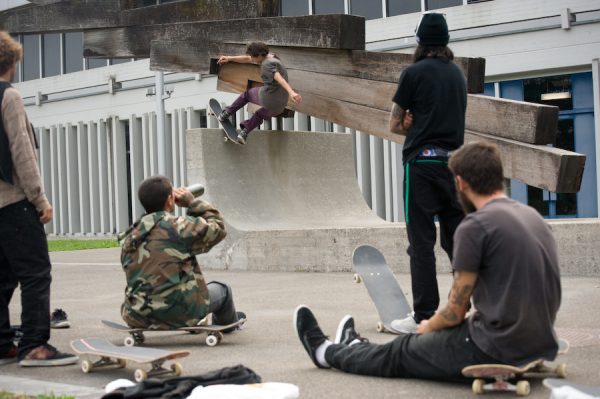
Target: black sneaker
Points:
(9, 356)
(46, 355)
(224, 116)
(58, 319)
(241, 315)
(242, 136)
(346, 334)
(309, 332)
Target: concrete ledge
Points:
(291, 203)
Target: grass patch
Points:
(75, 245)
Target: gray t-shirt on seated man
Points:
(518, 291)
(272, 95)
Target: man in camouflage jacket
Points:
(165, 287)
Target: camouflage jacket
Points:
(165, 287)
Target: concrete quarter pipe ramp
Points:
(290, 200)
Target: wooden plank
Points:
(516, 120)
(60, 16)
(193, 56)
(321, 31)
(549, 168)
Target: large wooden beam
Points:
(75, 15)
(321, 31)
(193, 56)
(549, 168)
(516, 120)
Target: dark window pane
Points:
(535, 199)
(96, 63)
(51, 57)
(435, 4)
(565, 137)
(31, 57)
(115, 61)
(566, 204)
(329, 7)
(552, 90)
(489, 89)
(73, 52)
(398, 7)
(290, 8)
(370, 9)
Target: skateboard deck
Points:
(497, 377)
(591, 390)
(214, 333)
(113, 355)
(372, 269)
(228, 128)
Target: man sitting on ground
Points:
(504, 258)
(165, 287)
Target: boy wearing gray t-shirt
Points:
(272, 97)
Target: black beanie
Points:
(433, 30)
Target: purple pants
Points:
(250, 96)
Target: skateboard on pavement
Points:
(214, 333)
(372, 269)
(592, 390)
(498, 377)
(228, 128)
(113, 355)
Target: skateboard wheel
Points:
(177, 369)
(86, 366)
(121, 363)
(561, 370)
(357, 278)
(140, 375)
(219, 335)
(129, 341)
(380, 327)
(523, 388)
(212, 340)
(478, 387)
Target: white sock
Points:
(320, 353)
(356, 341)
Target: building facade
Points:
(97, 125)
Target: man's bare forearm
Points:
(396, 118)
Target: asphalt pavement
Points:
(89, 286)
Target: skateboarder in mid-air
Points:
(272, 97)
(165, 287)
(505, 259)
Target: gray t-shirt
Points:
(518, 290)
(272, 96)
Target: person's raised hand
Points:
(223, 60)
(183, 197)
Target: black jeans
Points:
(221, 304)
(429, 190)
(437, 355)
(24, 260)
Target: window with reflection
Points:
(31, 57)
(399, 7)
(291, 8)
(96, 62)
(329, 7)
(51, 54)
(435, 4)
(73, 51)
(553, 90)
(369, 9)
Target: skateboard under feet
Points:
(228, 128)
(214, 333)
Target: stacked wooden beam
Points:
(520, 129)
